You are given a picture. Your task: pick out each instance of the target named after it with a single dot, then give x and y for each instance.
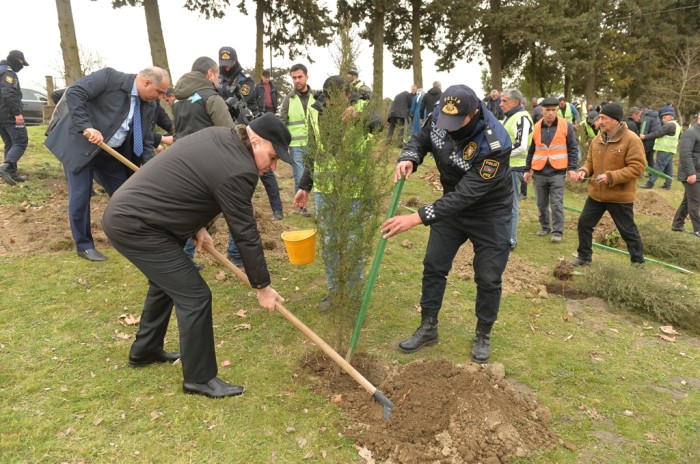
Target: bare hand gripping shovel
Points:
(376, 394)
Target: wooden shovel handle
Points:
(359, 378)
(114, 153)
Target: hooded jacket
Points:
(621, 158)
(198, 105)
(431, 98)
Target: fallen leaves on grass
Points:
(337, 399)
(241, 313)
(365, 454)
(244, 326)
(614, 330)
(301, 441)
(668, 330)
(221, 275)
(122, 335)
(666, 338)
(407, 244)
(155, 415)
(128, 320)
(226, 363)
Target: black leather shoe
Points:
(163, 357)
(646, 186)
(678, 229)
(481, 346)
(579, 262)
(215, 388)
(6, 174)
(92, 255)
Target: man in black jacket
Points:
(114, 108)
(430, 99)
(173, 198)
(266, 94)
(688, 169)
(12, 128)
(472, 152)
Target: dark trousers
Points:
(490, 237)
(623, 216)
(393, 122)
(15, 139)
(173, 280)
(269, 181)
(111, 174)
(689, 206)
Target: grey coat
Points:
(101, 101)
(689, 153)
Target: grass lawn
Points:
(618, 392)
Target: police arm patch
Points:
(245, 89)
(489, 169)
(9, 79)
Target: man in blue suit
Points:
(114, 108)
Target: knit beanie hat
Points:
(613, 110)
(667, 110)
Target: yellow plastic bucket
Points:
(300, 245)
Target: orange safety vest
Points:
(556, 152)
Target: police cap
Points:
(18, 55)
(227, 56)
(455, 104)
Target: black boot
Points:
(6, 174)
(13, 172)
(481, 349)
(426, 335)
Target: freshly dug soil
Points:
(444, 413)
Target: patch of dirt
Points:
(563, 270)
(653, 203)
(443, 413)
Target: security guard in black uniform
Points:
(236, 87)
(472, 153)
(12, 128)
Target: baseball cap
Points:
(591, 116)
(227, 56)
(18, 55)
(667, 110)
(353, 71)
(269, 127)
(455, 104)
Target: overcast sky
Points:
(119, 37)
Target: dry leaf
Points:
(651, 438)
(129, 320)
(668, 330)
(407, 244)
(568, 337)
(595, 357)
(365, 454)
(614, 330)
(82, 282)
(221, 275)
(566, 318)
(241, 313)
(628, 413)
(405, 395)
(244, 326)
(301, 441)
(666, 338)
(337, 399)
(97, 421)
(226, 363)
(155, 415)
(290, 430)
(122, 335)
(685, 355)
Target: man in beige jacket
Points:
(615, 161)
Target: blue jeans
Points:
(550, 194)
(298, 157)
(517, 177)
(330, 260)
(664, 163)
(233, 253)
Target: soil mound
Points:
(444, 413)
(652, 203)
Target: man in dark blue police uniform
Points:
(12, 128)
(472, 153)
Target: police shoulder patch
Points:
(489, 169)
(469, 151)
(9, 79)
(245, 89)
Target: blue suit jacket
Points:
(101, 101)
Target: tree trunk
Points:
(416, 44)
(155, 35)
(533, 71)
(378, 56)
(590, 87)
(69, 43)
(567, 86)
(494, 38)
(259, 33)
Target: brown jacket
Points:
(621, 159)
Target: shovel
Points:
(114, 153)
(364, 383)
(373, 272)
